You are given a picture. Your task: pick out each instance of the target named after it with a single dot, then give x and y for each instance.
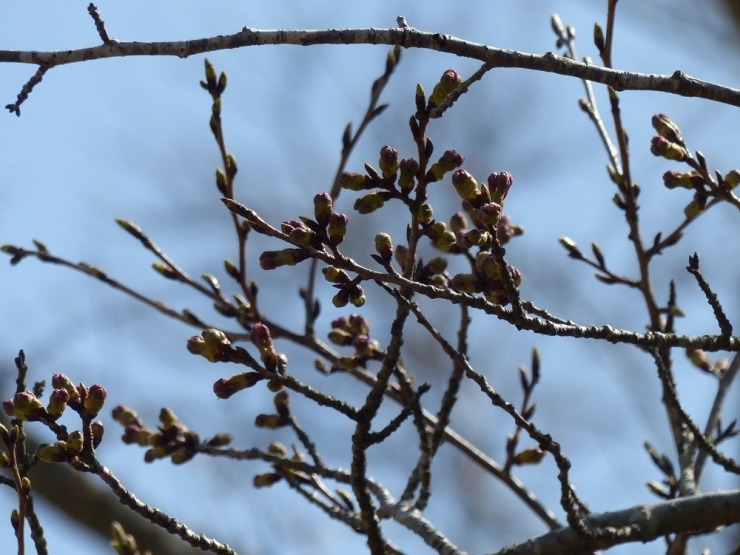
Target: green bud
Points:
(266, 480)
(449, 161)
(52, 453)
(370, 202)
(225, 388)
(277, 448)
(211, 344)
(409, 167)
(304, 237)
(467, 283)
(28, 404)
(282, 402)
(425, 214)
(458, 222)
(261, 338)
(75, 442)
(437, 265)
(357, 296)
(490, 214)
(354, 181)
(486, 263)
(667, 129)
(694, 209)
(125, 415)
(447, 84)
(210, 73)
(732, 178)
(57, 403)
(660, 146)
(571, 247)
(165, 270)
(270, 421)
(334, 275)
(465, 185)
(341, 299)
(95, 399)
(337, 228)
(599, 38)
(384, 246)
(400, 255)
(221, 181)
(270, 260)
(532, 455)
(231, 269)
(357, 324)
(341, 337)
(673, 179)
(98, 430)
(220, 440)
(322, 207)
(388, 161)
(182, 455)
(445, 241)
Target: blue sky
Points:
(129, 138)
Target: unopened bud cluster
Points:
(86, 402)
(669, 144)
(353, 331)
(171, 439)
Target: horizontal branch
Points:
(646, 523)
(679, 83)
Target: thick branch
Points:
(647, 523)
(408, 37)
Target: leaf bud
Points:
(221, 181)
(571, 247)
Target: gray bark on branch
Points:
(701, 513)
(678, 83)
